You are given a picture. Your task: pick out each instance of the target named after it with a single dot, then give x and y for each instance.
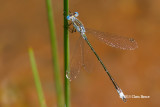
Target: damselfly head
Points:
(72, 16)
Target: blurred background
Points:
(24, 24)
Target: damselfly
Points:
(110, 39)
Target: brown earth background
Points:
(23, 24)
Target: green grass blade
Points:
(59, 91)
(66, 54)
(36, 78)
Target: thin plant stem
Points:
(36, 78)
(66, 54)
(58, 85)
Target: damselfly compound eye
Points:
(76, 14)
(68, 17)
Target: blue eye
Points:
(68, 17)
(76, 14)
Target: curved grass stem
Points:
(36, 78)
(58, 85)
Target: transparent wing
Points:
(113, 40)
(76, 60)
